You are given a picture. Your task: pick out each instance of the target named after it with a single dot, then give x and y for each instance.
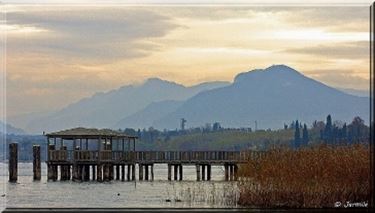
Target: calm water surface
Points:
(186, 193)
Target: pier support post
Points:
(198, 172)
(36, 162)
(140, 171)
(226, 171)
(209, 172)
(99, 177)
(51, 147)
(231, 172)
(146, 172)
(117, 172)
(152, 172)
(169, 171)
(87, 173)
(128, 174)
(133, 171)
(175, 170)
(93, 172)
(13, 162)
(203, 172)
(235, 172)
(111, 171)
(122, 172)
(106, 171)
(180, 171)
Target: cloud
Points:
(101, 34)
(347, 50)
(341, 78)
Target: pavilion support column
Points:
(133, 171)
(198, 172)
(36, 162)
(54, 172)
(87, 173)
(175, 170)
(107, 171)
(68, 172)
(140, 171)
(129, 172)
(203, 172)
(117, 172)
(169, 171)
(99, 173)
(122, 172)
(93, 168)
(75, 172)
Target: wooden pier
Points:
(82, 154)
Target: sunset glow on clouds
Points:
(57, 54)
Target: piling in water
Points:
(13, 162)
(36, 162)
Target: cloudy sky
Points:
(59, 54)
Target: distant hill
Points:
(9, 129)
(145, 117)
(104, 110)
(272, 97)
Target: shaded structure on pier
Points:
(87, 153)
(83, 154)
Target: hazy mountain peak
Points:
(274, 71)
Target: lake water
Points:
(216, 193)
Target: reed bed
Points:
(313, 177)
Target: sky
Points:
(58, 54)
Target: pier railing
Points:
(152, 156)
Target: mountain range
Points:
(271, 96)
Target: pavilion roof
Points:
(81, 132)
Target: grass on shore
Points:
(308, 178)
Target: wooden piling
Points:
(122, 172)
(99, 173)
(152, 172)
(93, 167)
(133, 171)
(180, 171)
(106, 171)
(36, 162)
(198, 172)
(13, 162)
(231, 172)
(87, 173)
(209, 172)
(175, 170)
(203, 172)
(235, 172)
(146, 172)
(51, 147)
(169, 171)
(140, 167)
(129, 172)
(226, 171)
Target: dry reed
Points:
(307, 178)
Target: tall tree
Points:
(297, 136)
(328, 130)
(305, 135)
